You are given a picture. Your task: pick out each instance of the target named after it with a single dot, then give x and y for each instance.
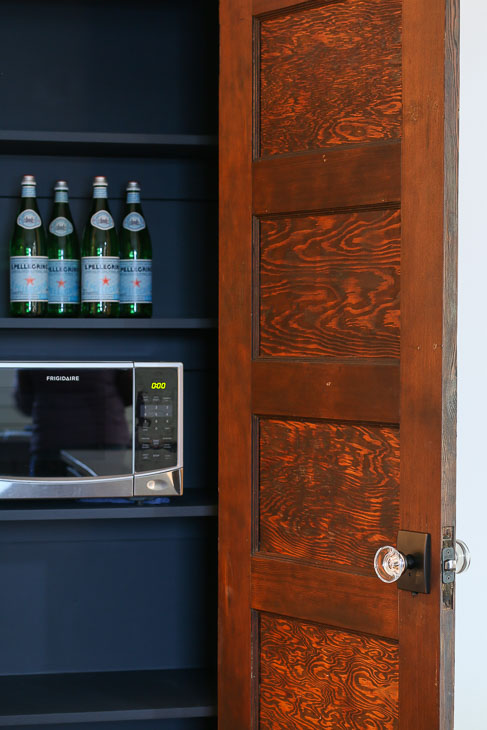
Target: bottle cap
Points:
(133, 187)
(100, 180)
(61, 185)
(29, 180)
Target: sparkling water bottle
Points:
(28, 257)
(100, 258)
(63, 252)
(135, 258)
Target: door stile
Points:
(235, 629)
(428, 352)
(450, 284)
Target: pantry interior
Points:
(108, 612)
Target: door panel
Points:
(354, 53)
(314, 676)
(337, 359)
(329, 285)
(328, 493)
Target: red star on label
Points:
(60, 283)
(136, 282)
(105, 281)
(30, 280)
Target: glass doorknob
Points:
(390, 563)
(408, 564)
(462, 557)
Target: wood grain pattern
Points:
(332, 179)
(324, 595)
(366, 391)
(341, 178)
(428, 346)
(329, 285)
(317, 677)
(260, 7)
(450, 294)
(328, 492)
(353, 94)
(234, 624)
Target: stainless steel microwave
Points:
(90, 429)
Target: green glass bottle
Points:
(28, 257)
(135, 259)
(63, 252)
(100, 258)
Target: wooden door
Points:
(337, 377)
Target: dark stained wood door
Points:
(337, 350)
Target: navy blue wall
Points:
(107, 595)
(122, 594)
(114, 66)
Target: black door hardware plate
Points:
(417, 545)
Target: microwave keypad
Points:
(156, 422)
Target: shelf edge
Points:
(194, 323)
(108, 716)
(108, 138)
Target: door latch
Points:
(455, 560)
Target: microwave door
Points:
(66, 431)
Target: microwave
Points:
(91, 429)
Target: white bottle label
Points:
(28, 191)
(100, 279)
(135, 281)
(63, 281)
(29, 219)
(102, 220)
(28, 278)
(61, 227)
(134, 222)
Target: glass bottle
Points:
(28, 257)
(100, 258)
(63, 252)
(135, 258)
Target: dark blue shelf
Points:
(52, 699)
(107, 143)
(193, 503)
(81, 323)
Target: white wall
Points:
(471, 631)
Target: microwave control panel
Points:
(157, 414)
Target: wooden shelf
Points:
(108, 143)
(88, 323)
(52, 699)
(193, 503)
